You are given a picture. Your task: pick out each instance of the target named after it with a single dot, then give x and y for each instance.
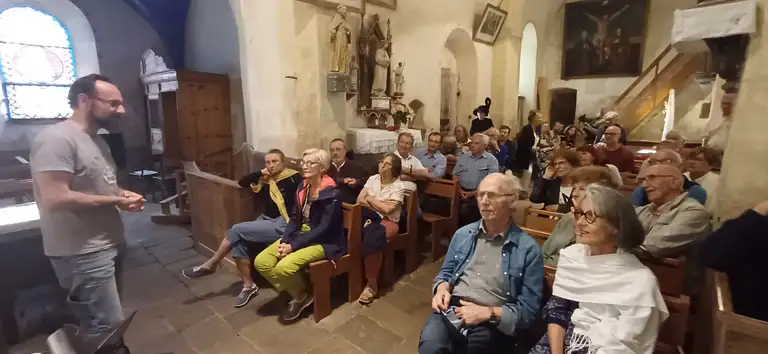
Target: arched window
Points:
(37, 66)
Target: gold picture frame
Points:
(388, 4)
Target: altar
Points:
(378, 141)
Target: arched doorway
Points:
(459, 77)
(527, 77)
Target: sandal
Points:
(367, 296)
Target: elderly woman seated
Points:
(556, 185)
(563, 234)
(604, 300)
(384, 194)
(315, 232)
(590, 157)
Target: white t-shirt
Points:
(408, 163)
(564, 192)
(394, 192)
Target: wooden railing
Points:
(653, 67)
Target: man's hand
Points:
(467, 195)
(442, 297)
(350, 182)
(471, 314)
(762, 208)
(130, 201)
(265, 172)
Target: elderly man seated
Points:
(275, 187)
(348, 174)
(413, 169)
(470, 169)
(490, 284)
(671, 158)
(673, 221)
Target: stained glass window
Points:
(37, 64)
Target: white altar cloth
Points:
(377, 141)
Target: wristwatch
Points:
(494, 319)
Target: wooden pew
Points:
(321, 272)
(670, 272)
(449, 169)
(541, 220)
(539, 236)
(629, 179)
(442, 226)
(405, 240)
(719, 329)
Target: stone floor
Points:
(179, 315)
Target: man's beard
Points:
(106, 122)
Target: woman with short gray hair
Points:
(603, 300)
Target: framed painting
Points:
(490, 25)
(354, 6)
(604, 38)
(389, 4)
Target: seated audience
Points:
(556, 185)
(275, 187)
(450, 147)
(569, 136)
(413, 170)
(470, 169)
(671, 158)
(383, 193)
(564, 235)
(348, 174)
(700, 163)
(504, 138)
(431, 157)
(482, 122)
(498, 150)
(737, 248)
(673, 222)
(315, 232)
(615, 152)
(604, 300)
(490, 284)
(611, 119)
(461, 135)
(589, 156)
(666, 145)
(676, 139)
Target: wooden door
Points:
(563, 105)
(204, 121)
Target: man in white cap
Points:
(611, 118)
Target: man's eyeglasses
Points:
(589, 215)
(653, 178)
(493, 195)
(654, 162)
(111, 103)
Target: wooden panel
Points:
(542, 220)
(171, 139)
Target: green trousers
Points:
(283, 273)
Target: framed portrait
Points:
(389, 4)
(604, 38)
(354, 6)
(490, 25)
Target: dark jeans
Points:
(437, 338)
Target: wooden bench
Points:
(449, 169)
(442, 226)
(539, 236)
(629, 179)
(719, 329)
(541, 220)
(406, 240)
(321, 272)
(670, 273)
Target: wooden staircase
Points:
(668, 71)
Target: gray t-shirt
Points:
(482, 281)
(66, 147)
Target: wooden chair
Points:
(406, 240)
(541, 220)
(321, 272)
(442, 226)
(629, 179)
(539, 236)
(449, 169)
(672, 332)
(670, 272)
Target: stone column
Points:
(745, 164)
(266, 38)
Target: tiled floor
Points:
(179, 315)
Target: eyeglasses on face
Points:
(493, 195)
(589, 215)
(111, 103)
(650, 178)
(654, 162)
(308, 164)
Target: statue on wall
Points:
(354, 70)
(381, 72)
(399, 78)
(340, 39)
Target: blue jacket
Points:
(523, 268)
(695, 191)
(326, 223)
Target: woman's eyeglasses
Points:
(308, 164)
(589, 215)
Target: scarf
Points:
(301, 196)
(617, 279)
(274, 191)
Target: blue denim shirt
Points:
(523, 267)
(437, 162)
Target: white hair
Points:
(513, 183)
(485, 139)
(322, 157)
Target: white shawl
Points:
(620, 305)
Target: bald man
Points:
(671, 158)
(615, 152)
(673, 222)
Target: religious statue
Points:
(399, 78)
(340, 39)
(379, 87)
(354, 70)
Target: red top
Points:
(623, 158)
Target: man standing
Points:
(431, 157)
(615, 152)
(470, 169)
(349, 175)
(75, 186)
(490, 285)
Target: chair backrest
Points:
(449, 169)
(447, 189)
(353, 226)
(670, 272)
(629, 179)
(539, 236)
(411, 204)
(672, 331)
(541, 220)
